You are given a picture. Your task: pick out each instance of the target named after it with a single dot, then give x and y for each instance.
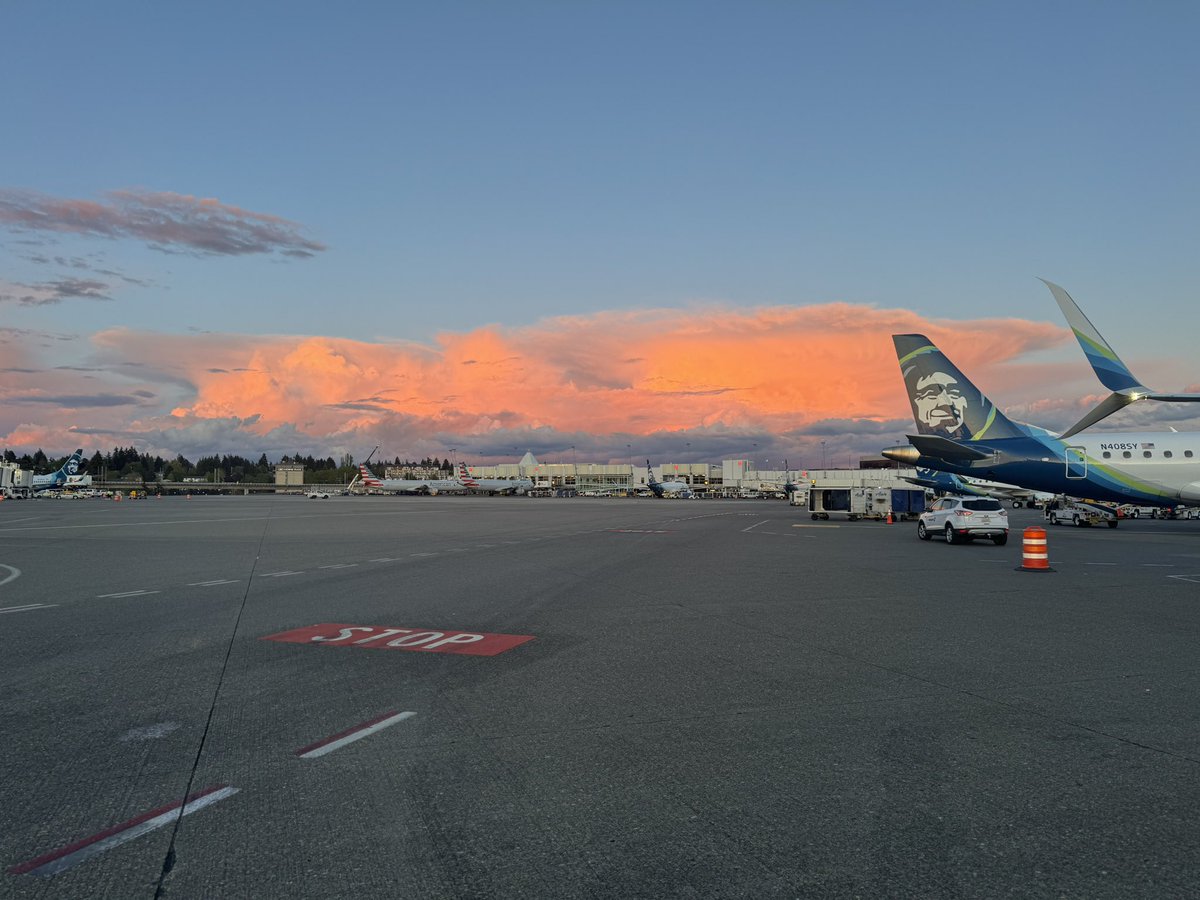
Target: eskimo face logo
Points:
(72, 466)
(940, 403)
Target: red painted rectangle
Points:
(386, 637)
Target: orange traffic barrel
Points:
(1034, 555)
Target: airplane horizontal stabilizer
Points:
(943, 448)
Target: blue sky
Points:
(469, 163)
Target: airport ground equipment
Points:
(873, 501)
(1069, 511)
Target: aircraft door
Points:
(1076, 458)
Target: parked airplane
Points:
(492, 485)
(948, 483)
(962, 432)
(431, 486)
(658, 488)
(68, 472)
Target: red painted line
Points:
(40, 861)
(341, 734)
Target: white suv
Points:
(963, 518)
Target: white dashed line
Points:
(339, 566)
(278, 574)
(212, 583)
(128, 594)
(31, 606)
(320, 748)
(756, 524)
(384, 559)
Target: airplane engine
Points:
(433, 492)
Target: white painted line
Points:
(72, 855)
(816, 526)
(129, 594)
(1195, 579)
(756, 524)
(384, 559)
(422, 554)
(14, 573)
(1099, 564)
(320, 748)
(278, 574)
(1159, 565)
(339, 566)
(149, 732)
(211, 583)
(14, 609)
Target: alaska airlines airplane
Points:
(69, 471)
(947, 483)
(431, 486)
(658, 488)
(962, 432)
(492, 485)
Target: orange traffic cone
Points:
(890, 520)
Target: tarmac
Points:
(515, 697)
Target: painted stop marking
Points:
(384, 637)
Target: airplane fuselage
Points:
(1158, 469)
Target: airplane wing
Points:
(1113, 373)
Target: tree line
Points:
(122, 463)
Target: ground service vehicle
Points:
(1064, 510)
(318, 495)
(959, 519)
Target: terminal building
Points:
(729, 478)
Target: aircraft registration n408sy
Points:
(963, 432)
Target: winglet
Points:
(1113, 373)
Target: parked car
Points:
(318, 495)
(963, 518)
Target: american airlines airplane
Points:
(431, 486)
(962, 432)
(492, 485)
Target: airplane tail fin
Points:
(464, 475)
(368, 476)
(944, 401)
(72, 466)
(650, 479)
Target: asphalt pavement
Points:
(508, 696)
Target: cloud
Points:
(49, 292)
(716, 381)
(165, 221)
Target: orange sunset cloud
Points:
(705, 370)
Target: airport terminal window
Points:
(1107, 455)
(1127, 454)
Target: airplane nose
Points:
(904, 454)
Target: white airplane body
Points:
(431, 486)
(492, 485)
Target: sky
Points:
(683, 231)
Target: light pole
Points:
(822, 454)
